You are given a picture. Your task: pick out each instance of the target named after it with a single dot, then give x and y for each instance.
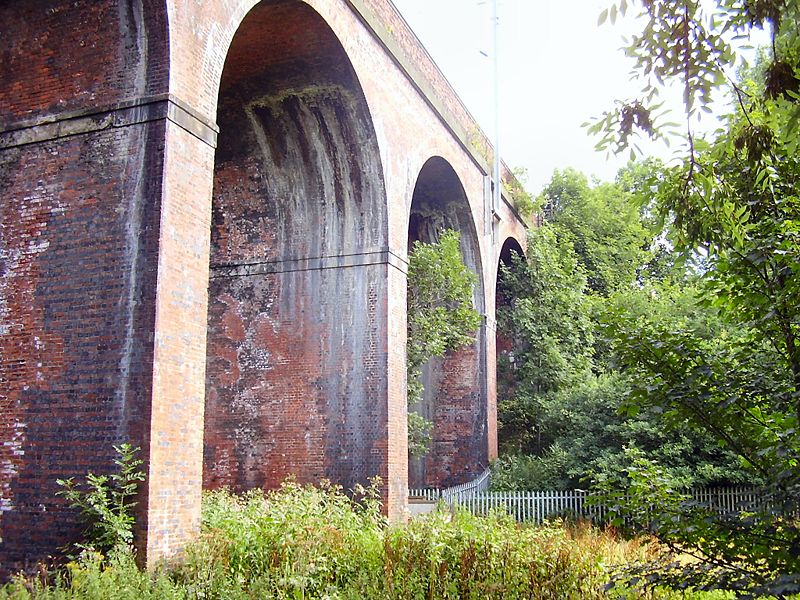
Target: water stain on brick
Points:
(294, 379)
(66, 284)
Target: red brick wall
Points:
(296, 381)
(80, 218)
(66, 55)
(77, 288)
(459, 448)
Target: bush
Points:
(299, 542)
(306, 542)
(106, 502)
(93, 576)
(514, 472)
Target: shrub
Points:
(106, 502)
(300, 541)
(93, 576)
(315, 543)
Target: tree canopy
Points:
(441, 317)
(731, 207)
(563, 403)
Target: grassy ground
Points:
(303, 543)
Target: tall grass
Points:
(305, 542)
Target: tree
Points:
(547, 322)
(602, 224)
(736, 378)
(563, 413)
(732, 206)
(441, 317)
(689, 44)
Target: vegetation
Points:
(703, 341)
(731, 207)
(305, 542)
(106, 502)
(521, 200)
(564, 408)
(441, 318)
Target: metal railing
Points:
(455, 494)
(538, 506)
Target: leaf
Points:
(602, 18)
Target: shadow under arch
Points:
(511, 247)
(503, 343)
(455, 394)
(295, 384)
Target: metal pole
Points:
(497, 182)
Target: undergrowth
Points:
(305, 542)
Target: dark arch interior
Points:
(455, 386)
(503, 342)
(293, 383)
(510, 249)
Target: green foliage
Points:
(732, 207)
(725, 379)
(547, 315)
(603, 226)
(583, 430)
(564, 409)
(106, 502)
(694, 367)
(93, 576)
(420, 434)
(462, 556)
(515, 472)
(318, 543)
(690, 45)
(751, 551)
(522, 201)
(298, 542)
(440, 294)
(441, 316)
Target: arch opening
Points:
(504, 344)
(294, 378)
(454, 396)
(510, 251)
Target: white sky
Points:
(558, 69)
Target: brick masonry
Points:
(126, 245)
(295, 384)
(454, 396)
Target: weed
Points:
(106, 502)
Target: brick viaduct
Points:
(206, 212)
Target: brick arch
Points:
(503, 343)
(199, 55)
(297, 317)
(511, 245)
(455, 396)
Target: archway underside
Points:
(503, 343)
(296, 354)
(455, 395)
